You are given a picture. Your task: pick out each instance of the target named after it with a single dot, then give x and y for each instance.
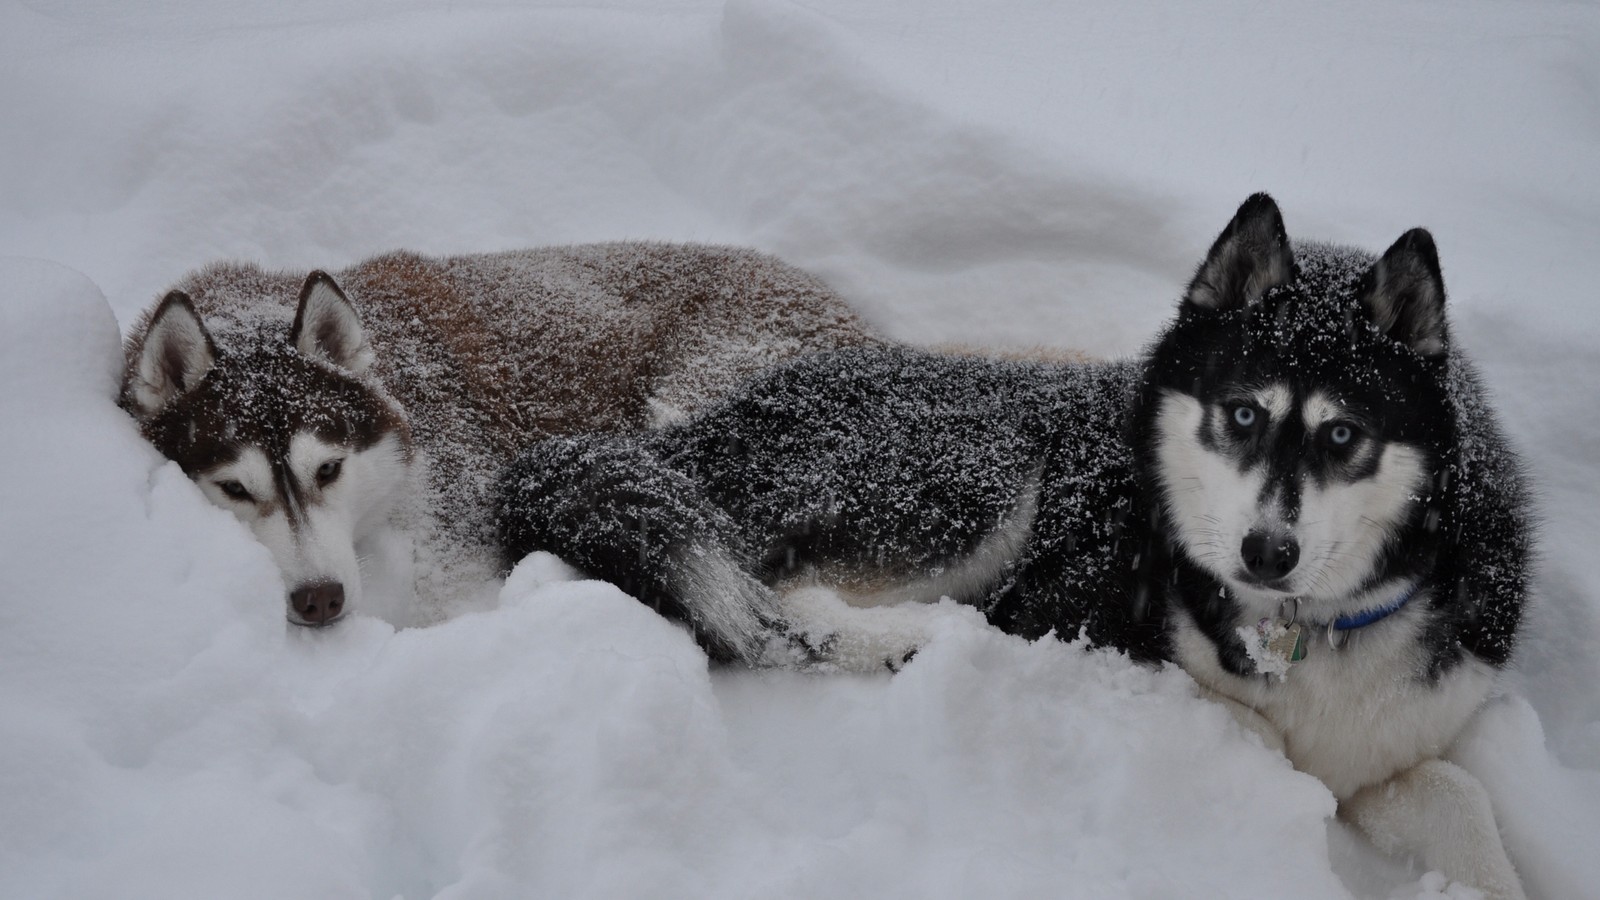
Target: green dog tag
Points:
(1289, 644)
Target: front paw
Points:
(895, 665)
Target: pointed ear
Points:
(174, 354)
(326, 326)
(1404, 293)
(1250, 257)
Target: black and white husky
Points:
(310, 413)
(1299, 495)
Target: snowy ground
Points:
(1035, 172)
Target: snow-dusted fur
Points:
(303, 403)
(1303, 448)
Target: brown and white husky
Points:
(318, 407)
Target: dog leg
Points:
(1249, 718)
(614, 510)
(1437, 811)
(854, 639)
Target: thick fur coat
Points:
(318, 407)
(1299, 494)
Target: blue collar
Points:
(1368, 616)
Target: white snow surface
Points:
(1008, 174)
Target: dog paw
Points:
(792, 649)
(895, 665)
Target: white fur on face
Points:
(370, 480)
(1319, 408)
(1277, 400)
(314, 541)
(1213, 505)
(1341, 526)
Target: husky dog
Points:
(303, 407)
(1299, 495)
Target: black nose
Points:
(318, 604)
(1269, 557)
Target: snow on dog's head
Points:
(278, 423)
(1298, 413)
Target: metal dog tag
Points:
(1288, 643)
(1274, 645)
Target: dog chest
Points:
(1356, 715)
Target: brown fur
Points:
(488, 353)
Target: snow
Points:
(1027, 174)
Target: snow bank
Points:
(167, 734)
(1018, 173)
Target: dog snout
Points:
(1269, 557)
(318, 604)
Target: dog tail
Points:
(613, 509)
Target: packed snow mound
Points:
(75, 347)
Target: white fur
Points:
(1340, 528)
(857, 639)
(1364, 718)
(1213, 504)
(1352, 716)
(1357, 715)
(1343, 526)
(1318, 409)
(1434, 810)
(1366, 721)
(1438, 811)
(332, 521)
(728, 602)
(663, 413)
(1277, 400)
(176, 335)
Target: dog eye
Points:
(328, 472)
(1341, 435)
(235, 490)
(1244, 416)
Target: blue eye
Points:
(1244, 415)
(1341, 435)
(328, 472)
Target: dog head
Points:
(1296, 415)
(279, 424)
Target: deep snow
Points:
(1031, 173)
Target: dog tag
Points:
(1289, 643)
(1274, 645)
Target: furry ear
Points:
(1250, 257)
(174, 354)
(1404, 293)
(326, 326)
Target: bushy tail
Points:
(614, 510)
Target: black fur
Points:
(897, 462)
(616, 508)
(1468, 536)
